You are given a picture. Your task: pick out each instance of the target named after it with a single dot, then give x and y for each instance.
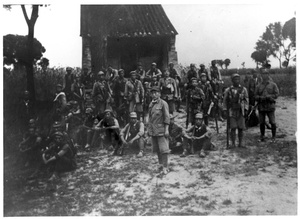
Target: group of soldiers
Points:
(115, 117)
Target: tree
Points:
(220, 63)
(276, 43)
(227, 63)
(44, 63)
(260, 57)
(29, 62)
(15, 50)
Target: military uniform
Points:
(215, 77)
(153, 72)
(134, 131)
(208, 99)
(134, 92)
(197, 144)
(78, 91)
(266, 94)
(236, 100)
(101, 95)
(169, 92)
(159, 119)
(60, 105)
(194, 98)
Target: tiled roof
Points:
(125, 21)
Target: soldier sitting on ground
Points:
(199, 140)
(176, 133)
(132, 135)
(85, 132)
(59, 156)
(108, 130)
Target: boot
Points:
(262, 132)
(273, 132)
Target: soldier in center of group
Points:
(101, 94)
(153, 71)
(195, 96)
(169, 92)
(237, 102)
(209, 96)
(158, 128)
(134, 92)
(192, 73)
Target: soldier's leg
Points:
(233, 136)
(262, 118)
(171, 104)
(185, 146)
(89, 137)
(154, 140)
(271, 116)
(241, 136)
(95, 137)
(164, 150)
(141, 144)
(205, 146)
(131, 106)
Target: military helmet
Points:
(192, 65)
(59, 85)
(202, 65)
(234, 76)
(88, 110)
(107, 110)
(199, 116)
(133, 115)
(132, 73)
(68, 69)
(193, 78)
(153, 64)
(203, 74)
(100, 73)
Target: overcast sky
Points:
(206, 31)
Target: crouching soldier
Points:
(176, 133)
(200, 138)
(236, 102)
(59, 156)
(108, 130)
(85, 132)
(132, 135)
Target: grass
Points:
(243, 211)
(227, 202)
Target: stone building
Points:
(122, 35)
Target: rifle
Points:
(227, 124)
(121, 150)
(192, 146)
(187, 110)
(216, 117)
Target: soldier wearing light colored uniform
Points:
(158, 128)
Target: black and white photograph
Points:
(152, 108)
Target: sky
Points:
(206, 31)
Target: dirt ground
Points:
(259, 180)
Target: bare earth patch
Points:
(259, 180)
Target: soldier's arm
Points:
(116, 126)
(186, 131)
(123, 132)
(142, 90)
(219, 73)
(175, 88)
(207, 134)
(225, 98)
(126, 89)
(276, 92)
(94, 90)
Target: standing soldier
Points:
(119, 95)
(176, 77)
(158, 128)
(86, 78)
(215, 77)
(192, 73)
(153, 71)
(169, 92)
(140, 72)
(236, 102)
(209, 96)
(195, 96)
(132, 134)
(111, 74)
(101, 94)
(266, 94)
(78, 92)
(253, 83)
(134, 93)
(203, 70)
(68, 81)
